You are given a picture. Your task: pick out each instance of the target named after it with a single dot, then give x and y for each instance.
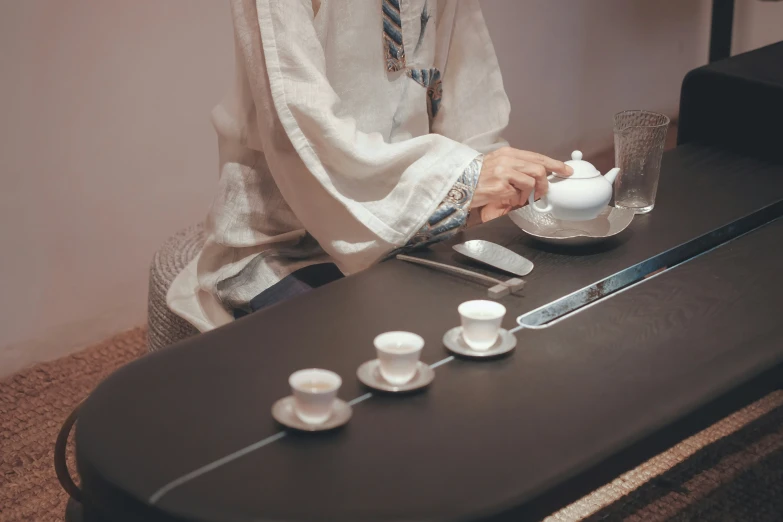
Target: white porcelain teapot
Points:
(579, 197)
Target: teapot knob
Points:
(576, 155)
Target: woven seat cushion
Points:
(165, 327)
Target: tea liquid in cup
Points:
(398, 356)
(481, 323)
(314, 392)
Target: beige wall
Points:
(570, 65)
(105, 149)
(757, 24)
(106, 146)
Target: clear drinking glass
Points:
(639, 138)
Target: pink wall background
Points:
(106, 146)
(105, 149)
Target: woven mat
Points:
(33, 405)
(732, 471)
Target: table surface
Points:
(491, 438)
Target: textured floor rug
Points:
(33, 405)
(732, 471)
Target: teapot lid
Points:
(582, 169)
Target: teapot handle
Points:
(542, 210)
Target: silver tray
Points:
(610, 222)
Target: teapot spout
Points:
(612, 174)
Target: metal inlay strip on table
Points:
(187, 477)
(568, 304)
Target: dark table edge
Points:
(592, 477)
(648, 446)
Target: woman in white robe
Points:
(355, 129)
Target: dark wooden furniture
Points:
(186, 434)
(736, 104)
(721, 29)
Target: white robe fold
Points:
(327, 153)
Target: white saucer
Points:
(455, 343)
(370, 375)
(283, 412)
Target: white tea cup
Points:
(481, 323)
(314, 392)
(398, 356)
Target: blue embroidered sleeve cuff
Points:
(452, 214)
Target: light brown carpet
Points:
(33, 405)
(732, 471)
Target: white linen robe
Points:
(354, 128)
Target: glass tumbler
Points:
(639, 139)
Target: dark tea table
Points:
(187, 434)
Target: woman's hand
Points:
(508, 176)
(492, 211)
